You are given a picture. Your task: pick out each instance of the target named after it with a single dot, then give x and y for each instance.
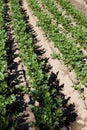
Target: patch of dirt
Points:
(65, 76)
(81, 5)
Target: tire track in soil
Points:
(81, 122)
(17, 74)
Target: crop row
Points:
(71, 54)
(78, 15)
(49, 112)
(6, 97)
(77, 31)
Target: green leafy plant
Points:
(6, 97)
(71, 54)
(54, 55)
(78, 15)
(49, 112)
(77, 31)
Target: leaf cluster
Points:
(71, 54)
(49, 112)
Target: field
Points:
(43, 65)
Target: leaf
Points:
(1, 76)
